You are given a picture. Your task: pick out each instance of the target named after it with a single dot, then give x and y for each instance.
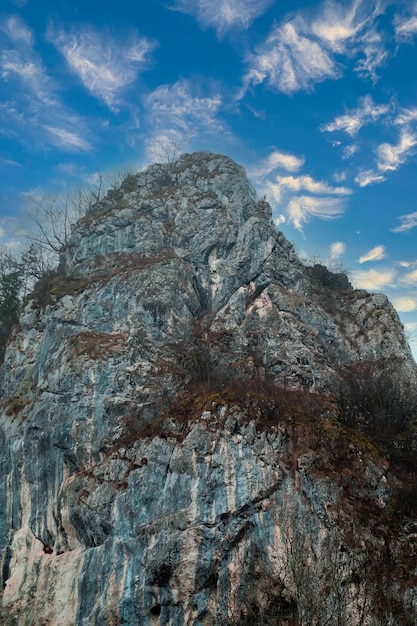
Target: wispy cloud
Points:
(408, 222)
(276, 160)
(307, 48)
(301, 209)
(105, 66)
(350, 29)
(391, 156)
(406, 116)
(17, 31)
(289, 61)
(9, 162)
(374, 55)
(350, 150)
(225, 15)
(352, 121)
(339, 177)
(337, 249)
(405, 305)
(307, 183)
(406, 25)
(64, 138)
(19, 62)
(181, 105)
(373, 280)
(410, 277)
(34, 105)
(407, 263)
(376, 254)
(179, 111)
(368, 177)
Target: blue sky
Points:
(318, 100)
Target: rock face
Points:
(126, 497)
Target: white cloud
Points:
(374, 58)
(296, 184)
(376, 254)
(272, 190)
(19, 61)
(178, 112)
(289, 61)
(406, 26)
(406, 116)
(391, 156)
(104, 66)
(307, 183)
(339, 177)
(2, 232)
(301, 209)
(368, 177)
(67, 139)
(350, 150)
(9, 162)
(225, 15)
(334, 29)
(374, 55)
(306, 49)
(281, 219)
(408, 222)
(276, 160)
(337, 24)
(181, 102)
(34, 112)
(352, 121)
(405, 305)
(284, 160)
(411, 277)
(17, 31)
(408, 263)
(373, 280)
(337, 249)
(350, 29)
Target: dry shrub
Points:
(98, 345)
(379, 398)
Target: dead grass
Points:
(98, 345)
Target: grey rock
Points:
(114, 510)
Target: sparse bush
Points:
(380, 399)
(326, 279)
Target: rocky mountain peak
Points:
(201, 217)
(200, 209)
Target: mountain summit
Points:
(176, 448)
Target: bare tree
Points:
(50, 219)
(329, 585)
(166, 149)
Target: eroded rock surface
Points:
(115, 507)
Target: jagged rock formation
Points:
(126, 497)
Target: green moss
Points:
(362, 444)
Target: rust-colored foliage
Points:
(98, 345)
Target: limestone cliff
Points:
(148, 474)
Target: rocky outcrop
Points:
(139, 482)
